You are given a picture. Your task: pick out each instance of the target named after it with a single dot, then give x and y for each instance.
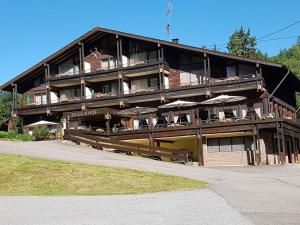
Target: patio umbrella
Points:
(223, 99)
(42, 123)
(137, 111)
(178, 104)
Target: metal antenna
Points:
(168, 14)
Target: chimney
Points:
(175, 40)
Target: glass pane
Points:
(225, 144)
(237, 144)
(213, 145)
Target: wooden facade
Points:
(105, 71)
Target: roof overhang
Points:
(95, 31)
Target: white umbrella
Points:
(42, 123)
(178, 104)
(222, 99)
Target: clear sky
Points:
(33, 29)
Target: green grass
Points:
(30, 176)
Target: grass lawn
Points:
(30, 176)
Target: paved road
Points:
(262, 195)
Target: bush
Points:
(14, 136)
(41, 133)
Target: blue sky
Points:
(32, 29)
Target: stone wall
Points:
(174, 78)
(94, 60)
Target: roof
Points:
(139, 37)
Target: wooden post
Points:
(108, 127)
(278, 143)
(204, 65)
(294, 148)
(258, 146)
(200, 147)
(283, 157)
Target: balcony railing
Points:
(108, 68)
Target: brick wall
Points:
(237, 158)
(94, 60)
(174, 78)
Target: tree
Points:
(242, 43)
(291, 58)
(5, 106)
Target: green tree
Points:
(291, 58)
(242, 43)
(5, 106)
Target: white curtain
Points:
(147, 120)
(221, 115)
(194, 78)
(136, 124)
(66, 68)
(138, 85)
(176, 118)
(234, 111)
(244, 113)
(258, 111)
(167, 118)
(184, 78)
(154, 121)
(188, 116)
(166, 80)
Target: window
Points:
(231, 71)
(190, 77)
(238, 144)
(104, 64)
(137, 58)
(213, 145)
(153, 82)
(230, 144)
(70, 94)
(225, 144)
(68, 68)
(40, 99)
(152, 55)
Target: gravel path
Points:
(262, 195)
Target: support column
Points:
(254, 144)
(48, 88)
(120, 65)
(200, 147)
(258, 146)
(283, 157)
(81, 58)
(294, 158)
(14, 99)
(278, 142)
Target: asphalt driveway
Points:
(236, 195)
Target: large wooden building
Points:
(86, 84)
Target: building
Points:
(85, 84)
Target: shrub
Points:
(14, 136)
(41, 133)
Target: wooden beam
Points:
(200, 147)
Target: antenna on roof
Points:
(168, 14)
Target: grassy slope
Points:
(29, 176)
